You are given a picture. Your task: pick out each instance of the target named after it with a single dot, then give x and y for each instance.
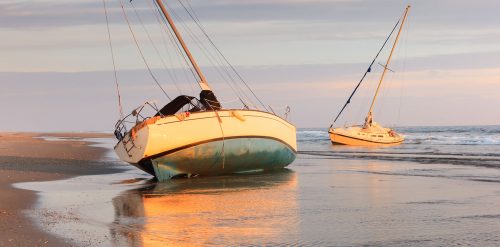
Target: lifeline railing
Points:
(124, 125)
(133, 118)
(137, 116)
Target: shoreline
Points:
(27, 157)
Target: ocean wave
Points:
(435, 139)
(312, 135)
(490, 160)
(487, 135)
(475, 146)
(453, 129)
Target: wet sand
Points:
(26, 157)
(322, 199)
(317, 201)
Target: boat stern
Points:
(132, 148)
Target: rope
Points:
(223, 151)
(211, 59)
(224, 73)
(229, 101)
(120, 108)
(366, 73)
(214, 59)
(181, 50)
(155, 48)
(165, 30)
(196, 20)
(140, 50)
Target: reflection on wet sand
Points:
(252, 209)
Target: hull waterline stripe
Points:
(213, 140)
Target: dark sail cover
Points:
(175, 105)
(208, 99)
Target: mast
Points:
(203, 81)
(369, 116)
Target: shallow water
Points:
(413, 194)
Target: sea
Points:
(440, 188)
(456, 145)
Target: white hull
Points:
(176, 134)
(370, 134)
(357, 136)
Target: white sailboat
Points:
(197, 136)
(370, 133)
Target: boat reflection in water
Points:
(245, 209)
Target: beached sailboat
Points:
(198, 136)
(370, 133)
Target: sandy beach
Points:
(28, 157)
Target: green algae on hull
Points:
(225, 157)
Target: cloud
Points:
(306, 53)
(458, 13)
(73, 101)
(49, 14)
(253, 32)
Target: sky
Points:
(56, 72)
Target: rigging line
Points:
(120, 108)
(140, 50)
(221, 63)
(154, 46)
(403, 81)
(213, 60)
(367, 71)
(222, 55)
(385, 95)
(208, 55)
(180, 47)
(192, 10)
(224, 73)
(216, 57)
(164, 32)
(183, 55)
